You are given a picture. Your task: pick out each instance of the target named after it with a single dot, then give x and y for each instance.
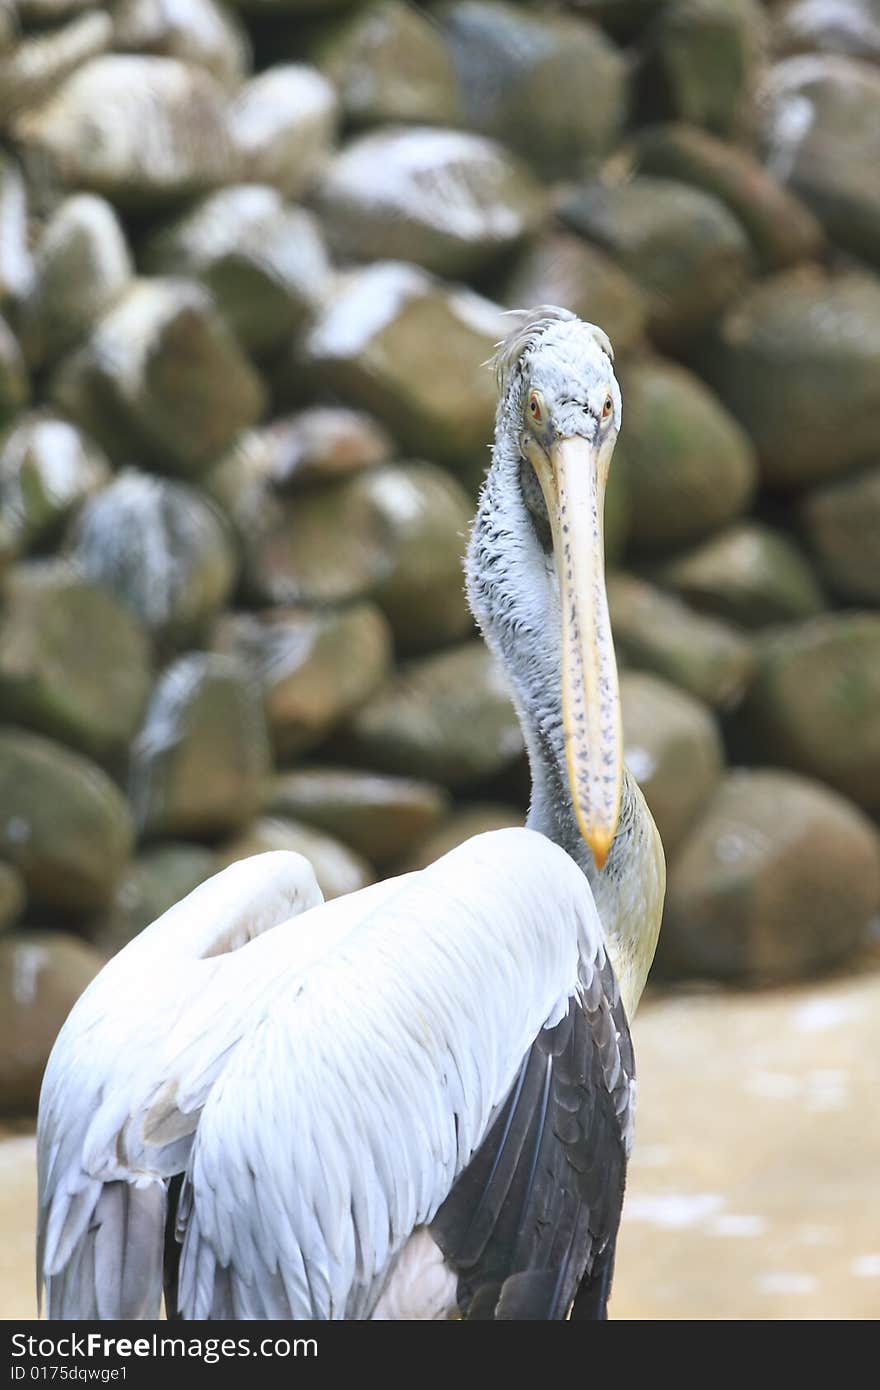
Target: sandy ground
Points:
(753, 1189)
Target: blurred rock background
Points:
(252, 259)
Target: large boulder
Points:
(781, 229)
(200, 760)
(337, 868)
(158, 878)
(412, 351)
(690, 467)
(282, 126)
(139, 130)
(703, 62)
(315, 668)
(34, 67)
(380, 817)
(42, 974)
(161, 547)
(195, 31)
(447, 200)
(821, 134)
(388, 62)
(65, 825)
(780, 878)
(446, 718)
(848, 27)
(683, 246)
(749, 574)
(263, 261)
(48, 468)
(560, 268)
(842, 524)
(161, 377)
(82, 268)
(394, 533)
(656, 632)
(814, 701)
(797, 361)
(673, 749)
(16, 265)
(74, 660)
(323, 442)
(475, 818)
(524, 77)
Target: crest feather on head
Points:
(525, 337)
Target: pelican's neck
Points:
(514, 595)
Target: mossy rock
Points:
(841, 522)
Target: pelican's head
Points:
(560, 399)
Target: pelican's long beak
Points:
(572, 480)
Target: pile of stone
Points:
(252, 259)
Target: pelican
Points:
(414, 1102)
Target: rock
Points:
(705, 57)
(673, 749)
(44, 12)
(395, 533)
(792, 346)
(410, 351)
(689, 466)
(524, 76)
(16, 266)
(195, 31)
(447, 718)
(282, 125)
(83, 266)
(32, 71)
(13, 895)
(656, 632)
(162, 548)
(42, 974)
(314, 668)
(380, 817)
(388, 63)
(448, 200)
(337, 868)
(779, 879)
(814, 700)
(749, 574)
(848, 27)
(48, 468)
(558, 268)
(139, 130)
(264, 262)
(74, 661)
(821, 135)
(163, 376)
(842, 522)
(200, 760)
(781, 229)
(323, 443)
(682, 246)
(65, 826)
(157, 879)
(475, 819)
(14, 386)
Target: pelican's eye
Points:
(607, 409)
(536, 407)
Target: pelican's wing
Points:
(345, 1118)
(128, 1075)
(535, 1214)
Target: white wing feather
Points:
(346, 1115)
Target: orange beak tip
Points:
(600, 843)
